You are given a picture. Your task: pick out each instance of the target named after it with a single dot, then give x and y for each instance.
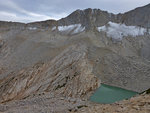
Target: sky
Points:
(38, 10)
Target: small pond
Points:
(106, 94)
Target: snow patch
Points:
(71, 29)
(54, 28)
(32, 28)
(92, 11)
(118, 31)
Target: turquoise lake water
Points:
(109, 94)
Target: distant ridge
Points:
(91, 18)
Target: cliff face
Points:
(89, 18)
(137, 17)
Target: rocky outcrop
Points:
(68, 74)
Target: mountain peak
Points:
(91, 18)
(88, 17)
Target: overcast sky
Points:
(37, 10)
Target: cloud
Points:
(13, 17)
(20, 14)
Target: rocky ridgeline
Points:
(17, 25)
(91, 18)
(137, 17)
(95, 17)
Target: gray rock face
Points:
(138, 17)
(96, 17)
(89, 18)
